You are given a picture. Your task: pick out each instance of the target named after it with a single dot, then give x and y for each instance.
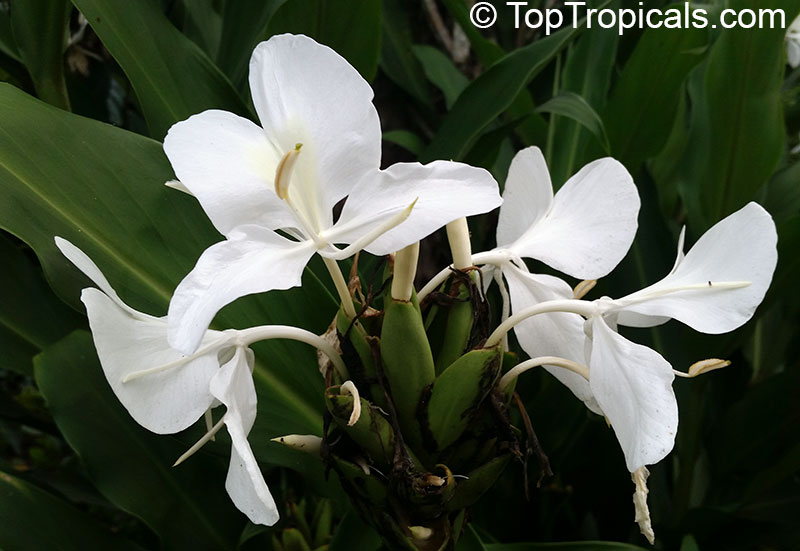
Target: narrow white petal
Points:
(591, 224)
(443, 191)
(556, 334)
(233, 386)
(306, 93)
(86, 265)
(252, 260)
(527, 195)
(228, 164)
(164, 402)
(633, 385)
(739, 248)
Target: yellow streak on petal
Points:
(283, 174)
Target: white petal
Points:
(444, 191)
(741, 247)
(228, 163)
(252, 260)
(85, 264)
(527, 196)
(233, 386)
(793, 53)
(591, 224)
(306, 93)
(633, 385)
(164, 402)
(555, 334)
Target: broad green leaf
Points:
(203, 24)
(470, 541)
(490, 95)
(441, 71)
(105, 193)
(587, 72)
(170, 74)
(40, 33)
(397, 59)
(737, 134)
(573, 106)
(244, 23)
(405, 139)
(186, 506)
(7, 44)
(352, 28)
(32, 519)
(645, 98)
(31, 317)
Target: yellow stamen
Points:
(583, 288)
(283, 174)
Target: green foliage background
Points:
(703, 118)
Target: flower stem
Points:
(582, 307)
(518, 370)
(341, 287)
(460, 247)
(247, 337)
(489, 257)
(405, 268)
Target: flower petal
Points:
(306, 93)
(252, 260)
(233, 386)
(164, 402)
(228, 163)
(633, 385)
(739, 248)
(527, 196)
(591, 224)
(555, 334)
(86, 265)
(443, 191)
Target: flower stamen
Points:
(200, 443)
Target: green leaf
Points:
(105, 193)
(470, 541)
(737, 135)
(31, 317)
(170, 74)
(352, 533)
(352, 28)
(490, 95)
(7, 44)
(573, 106)
(587, 72)
(31, 518)
(405, 139)
(244, 23)
(186, 506)
(40, 33)
(645, 98)
(397, 59)
(202, 24)
(441, 71)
